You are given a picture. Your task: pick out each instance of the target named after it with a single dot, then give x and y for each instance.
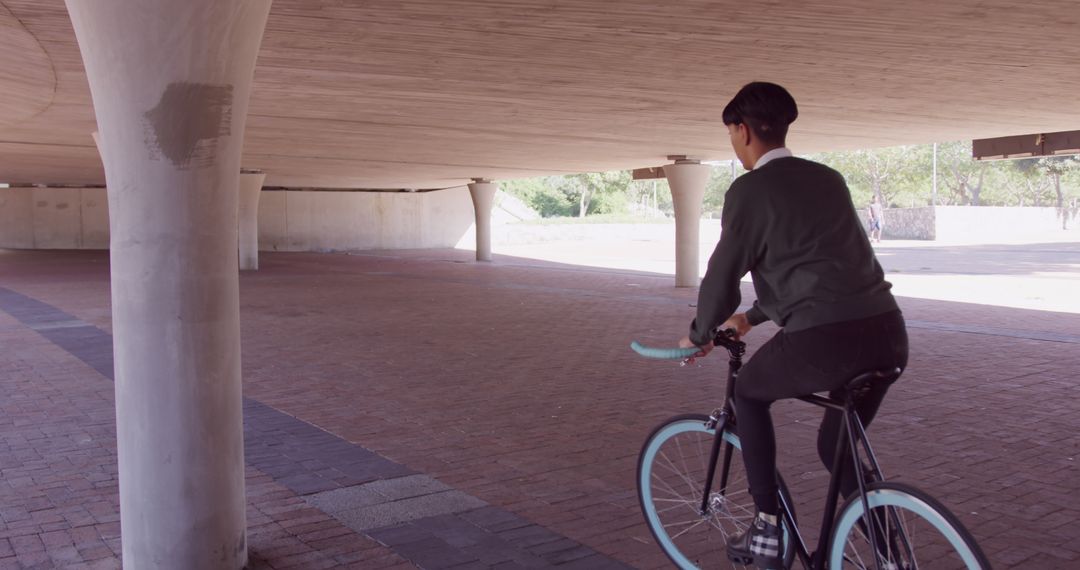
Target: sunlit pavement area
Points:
(1040, 270)
(421, 409)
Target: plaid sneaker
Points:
(759, 545)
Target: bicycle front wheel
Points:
(913, 530)
(671, 478)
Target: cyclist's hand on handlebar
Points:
(685, 342)
(740, 323)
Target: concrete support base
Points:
(483, 197)
(170, 84)
(687, 182)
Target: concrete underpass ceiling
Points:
(427, 94)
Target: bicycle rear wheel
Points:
(914, 530)
(671, 477)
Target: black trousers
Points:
(820, 359)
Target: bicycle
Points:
(691, 521)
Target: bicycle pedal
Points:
(740, 559)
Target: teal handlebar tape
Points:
(663, 353)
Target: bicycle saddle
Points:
(864, 380)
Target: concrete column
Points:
(170, 84)
(251, 183)
(483, 196)
(97, 142)
(687, 182)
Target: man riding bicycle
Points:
(791, 223)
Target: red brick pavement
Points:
(512, 382)
(284, 531)
(58, 495)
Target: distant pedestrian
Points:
(877, 219)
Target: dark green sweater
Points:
(793, 226)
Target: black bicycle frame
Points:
(846, 444)
(719, 420)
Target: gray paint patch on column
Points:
(188, 121)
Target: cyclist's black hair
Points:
(766, 108)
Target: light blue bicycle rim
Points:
(895, 498)
(646, 485)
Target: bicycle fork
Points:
(718, 421)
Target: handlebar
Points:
(663, 353)
(721, 338)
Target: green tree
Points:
(885, 171)
(960, 175)
(716, 187)
(542, 194)
(575, 194)
(650, 195)
(867, 172)
(1027, 182)
(1070, 185)
(598, 187)
(1055, 168)
(900, 176)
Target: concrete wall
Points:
(905, 223)
(986, 224)
(78, 218)
(630, 234)
(336, 221)
(54, 218)
(990, 224)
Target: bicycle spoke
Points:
(904, 531)
(686, 478)
(668, 488)
(909, 537)
(854, 550)
(745, 510)
(675, 477)
(678, 443)
(684, 504)
(699, 523)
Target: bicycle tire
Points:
(908, 519)
(702, 543)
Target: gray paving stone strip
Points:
(420, 518)
(996, 331)
(484, 538)
(392, 501)
(307, 459)
(83, 340)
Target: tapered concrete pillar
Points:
(483, 196)
(97, 143)
(170, 84)
(251, 183)
(687, 182)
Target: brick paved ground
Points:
(510, 383)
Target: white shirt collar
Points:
(773, 154)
